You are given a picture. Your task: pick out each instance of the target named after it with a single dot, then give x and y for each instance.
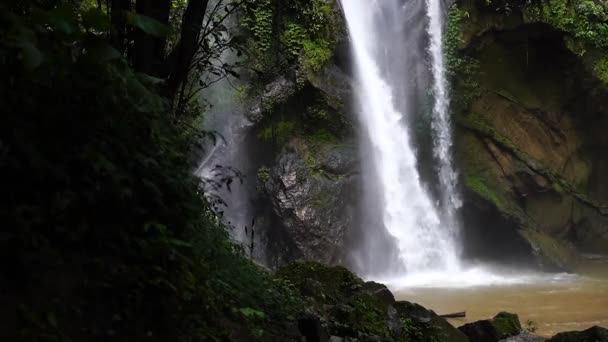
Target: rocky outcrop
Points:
(275, 94)
(298, 102)
(529, 134)
(342, 307)
(312, 190)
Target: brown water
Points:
(554, 304)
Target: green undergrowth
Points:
(586, 20)
(306, 116)
(106, 233)
(462, 69)
(586, 24)
(293, 32)
(352, 308)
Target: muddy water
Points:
(553, 303)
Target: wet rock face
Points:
(312, 193)
(275, 93)
(527, 143)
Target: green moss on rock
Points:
(506, 324)
(366, 311)
(551, 252)
(321, 283)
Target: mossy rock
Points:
(421, 324)
(506, 324)
(321, 283)
(365, 311)
(593, 334)
(503, 325)
(550, 252)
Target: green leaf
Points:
(94, 19)
(147, 24)
(31, 56)
(252, 313)
(63, 19)
(52, 319)
(97, 50)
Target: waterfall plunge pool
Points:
(554, 302)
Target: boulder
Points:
(593, 334)
(427, 323)
(354, 310)
(276, 92)
(312, 195)
(502, 326)
(480, 331)
(524, 337)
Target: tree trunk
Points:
(148, 55)
(118, 16)
(181, 58)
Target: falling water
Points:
(441, 119)
(408, 213)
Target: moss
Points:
(463, 70)
(315, 55)
(551, 252)
(313, 166)
(280, 32)
(263, 174)
(506, 324)
(586, 24)
(321, 284)
(583, 19)
(600, 69)
(479, 186)
(419, 324)
(319, 138)
(321, 200)
(363, 311)
(279, 132)
(369, 315)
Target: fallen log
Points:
(455, 315)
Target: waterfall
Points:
(424, 242)
(441, 125)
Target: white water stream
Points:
(425, 243)
(424, 230)
(442, 132)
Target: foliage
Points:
(352, 308)
(316, 54)
(463, 70)
(281, 32)
(263, 175)
(107, 236)
(478, 185)
(279, 133)
(584, 19)
(293, 39)
(530, 326)
(148, 25)
(600, 69)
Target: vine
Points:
(462, 70)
